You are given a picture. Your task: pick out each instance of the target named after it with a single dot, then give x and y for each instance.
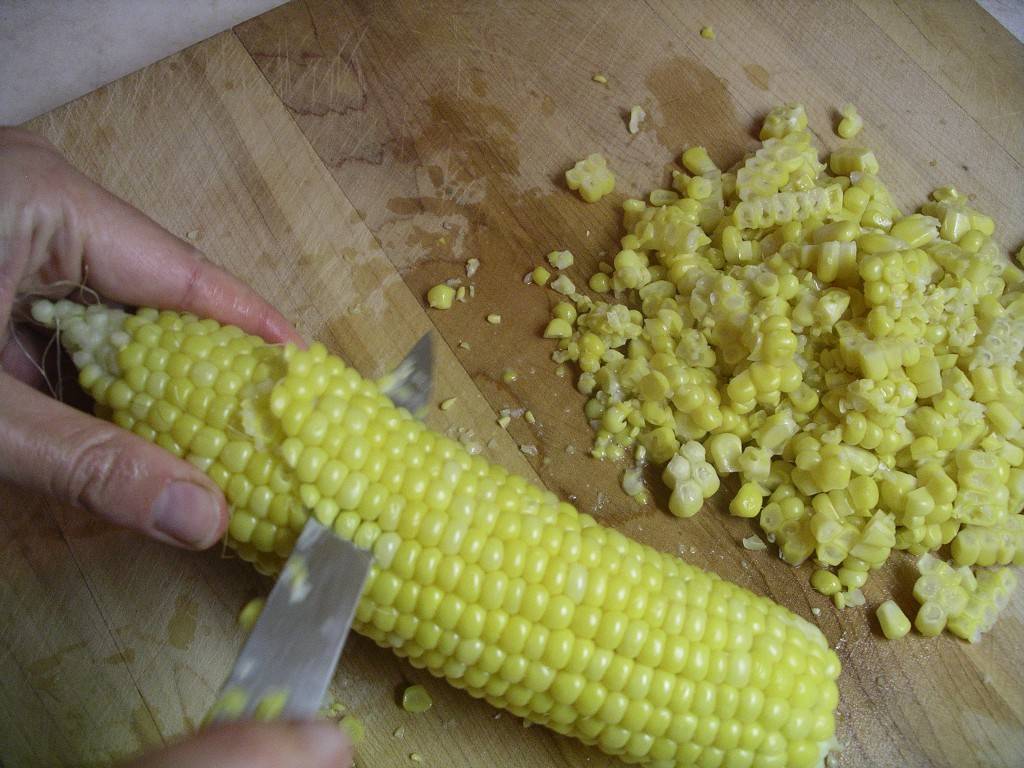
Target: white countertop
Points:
(53, 51)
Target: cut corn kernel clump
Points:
(859, 368)
(560, 259)
(966, 602)
(478, 576)
(591, 177)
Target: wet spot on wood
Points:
(145, 728)
(479, 83)
(45, 666)
(405, 206)
(181, 629)
(127, 656)
(757, 75)
(44, 671)
(695, 107)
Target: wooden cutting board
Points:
(345, 157)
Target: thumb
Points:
(257, 745)
(54, 449)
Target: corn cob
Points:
(479, 576)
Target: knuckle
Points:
(102, 460)
(193, 281)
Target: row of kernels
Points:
(670, 228)
(990, 596)
(1002, 544)
(958, 599)
(784, 207)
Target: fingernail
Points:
(327, 745)
(187, 513)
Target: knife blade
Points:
(411, 384)
(289, 659)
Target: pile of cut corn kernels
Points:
(859, 368)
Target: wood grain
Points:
(343, 158)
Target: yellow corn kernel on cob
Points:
(479, 576)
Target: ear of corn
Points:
(479, 576)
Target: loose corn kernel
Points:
(851, 122)
(558, 328)
(563, 285)
(893, 621)
(725, 450)
(271, 705)
(354, 727)
(494, 319)
(697, 161)
(441, 296)
(231, 704)
(636, 116)
(250, 613)
(825, 582)
(846, 160)
(699, 188)
(708, 33)
(930, 620)
(599, 282)
(747, 501)
(540, 276)
(416, 700)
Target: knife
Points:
(289, 659)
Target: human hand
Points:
(257, 745)
(58, 227)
